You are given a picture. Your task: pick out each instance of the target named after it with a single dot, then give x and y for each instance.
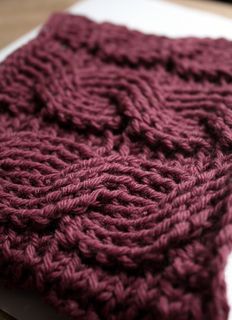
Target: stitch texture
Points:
(115, 171)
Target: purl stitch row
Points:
(115, 171)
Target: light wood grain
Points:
(17, 17)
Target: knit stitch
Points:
(115, 171)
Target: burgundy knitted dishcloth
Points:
(115, 171)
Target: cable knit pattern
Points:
(115, 171)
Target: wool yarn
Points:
(115, 171)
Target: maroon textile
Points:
(115, 171)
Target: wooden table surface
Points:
(20, 16)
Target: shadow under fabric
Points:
(115, 171)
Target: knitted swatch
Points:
(115, 171)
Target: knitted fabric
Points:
(115, 171)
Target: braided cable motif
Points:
(115, 171)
